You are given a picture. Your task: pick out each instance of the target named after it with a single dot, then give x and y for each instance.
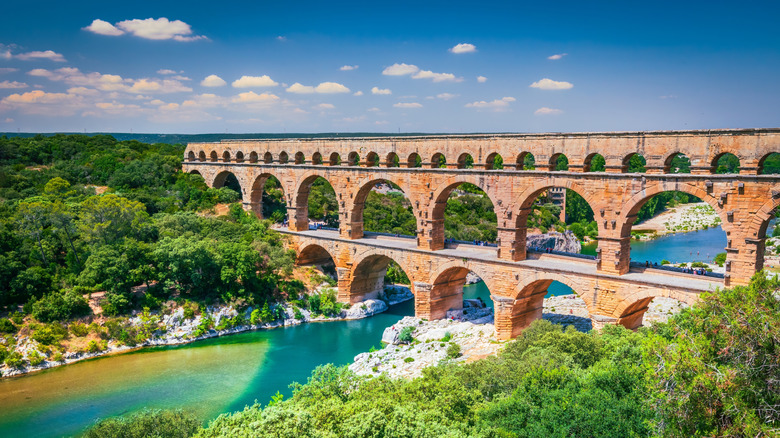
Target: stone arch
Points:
(353, 159)
(668, 163)
(372, 159)
(763, 169)
(355, 213)
(529, 195)
(465, 161)
(414, 160)
(447, 292)
(257, 192)
(314, 254)
(226, 156)
(191, 156)
(555, 159)
(201, 156)
(268, 158)
(715, 164)
(214, 156)
(392, 160)
(439, 204)
(366, 280)
(316, 159)
(228, 179)
(253, 157)
(335, 159)
(594, 162)
(492, 161)
(239, 157)
(195, 172)
(299, 158)
(525, 161)
(626, 164)
(301, 198)
(630, 311)
(438, 160)
(283, 157)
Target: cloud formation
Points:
(46, 54)
(437, 77)
(348, 67)
(357, 93)
(254, 82)
(446, 96)
(12, 85)
(463, 48)
(384, 91)
(400, 69)
(109, 82)
(407, 105)
(325, 106)
(481, 79)
(547, 111)
(213, 81)
(495, 105)
(549, 84)
(323, 88)
(150, 29)
(252, 97)
(557, 56)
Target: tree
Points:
(34, 219)
(109, 218)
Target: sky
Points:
(423, 66)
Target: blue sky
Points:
(388, 66)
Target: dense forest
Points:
(711, 371)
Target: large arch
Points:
(439, 205)
(302, 192)
(632, 308)
(367, 277)
(228, 179)
(264, 205)
(356, 219)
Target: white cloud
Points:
(213, 81)
(101, 27)
(481, 79)
(463, 48)
(407, 105)
(496, 105)
(254, 81)
(547, 111)
(437, 77)
(42, 103)
(167, 71)
(159, 29)
(181, 78)
(549, 84)
(557, 56)
(281, 38)
(46, 54)
(251, 96)
(12, 85)
(446, 96)
(155, 86)
(377, 90)
(109, 82)
(374, 109)
(348, 67)
(8, 70)
(323, 88)
(357, 93)
(400, 69)
(381, 122)
(325, 106)
(83, 91)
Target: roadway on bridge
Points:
(544, 263)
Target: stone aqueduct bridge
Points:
(612, 291)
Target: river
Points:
(225, 374)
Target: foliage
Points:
(6, 326)
(453, 350)
(58, 306)
(405, 335)
(35, 358)
(148, 423)
(720, 259)
(49, 334)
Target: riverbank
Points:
(680, 219)
(176, 328)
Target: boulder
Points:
(390, 336)
(564, 242)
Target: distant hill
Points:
(187, 138)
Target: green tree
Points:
(109, 218)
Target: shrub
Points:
(406, 335)
(453, 350)
(409, 359)
(447, 337)
(17, 318)
(35, 358)
(254, 318)
(665, 262)
(57, 357)
(3, 353)
(14, 360)
(79, 330)
(699, 265)
(6, 326)
(49, 334)
(95, 346)
(297, 313)
(148, 423)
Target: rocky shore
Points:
(680, 219)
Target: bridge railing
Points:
(689, 271)
(377, 233)
(575, 255)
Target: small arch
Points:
(634, 163)
(392, 160)
(595, 163)
(372, 159)
(226, 156)
(283, 157)
(253, 157)
(201, 156)
(414, 160)
(335, 159)
(368, 277)
(525, 161)
(191, 156)
(465, 161)
(316, 159)
(315, 200)
(558, 162)
(214, 156)
(353, 159)
(229, 180)
(677, 163)
(438, 161)
(494, 161)
(195, 172)
(299, 158)
(267, 198)
(239, 157)
(769, 164)
(268, 158)
(725, 163)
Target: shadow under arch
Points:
(266, 198)
(356, 213)
(525, 161)
(595, 162)
(316, 255)
(633, 163)
(725, 162)
(465, 161)
(632, 309)
(229, 180)
(326, 205)
(367, 278)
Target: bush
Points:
(49, 334)
(665, 262)
(158, 424)
(720, 259)
(14, 360)
(6, 326)
(58, 306)
(447, 337)
(17, 318)
(79, 329)
(95, 346)
(254, 318)
(406, 335)
(408, 359)
(35, 358)
(453, 350)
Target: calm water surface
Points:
(225, 374)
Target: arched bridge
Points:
(429, 168)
